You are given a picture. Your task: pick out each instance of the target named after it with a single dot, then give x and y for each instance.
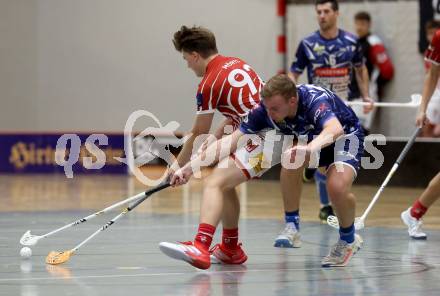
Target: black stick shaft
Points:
(125, 211)
(408, 146)
(148, 193)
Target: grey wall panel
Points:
(87, 64)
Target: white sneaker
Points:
(341, 252)
(414, 225)
(288, 238)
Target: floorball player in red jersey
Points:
(413, 216)
(230, 86)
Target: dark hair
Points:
(279, 84)
(362, 16)
(432, 24)
(196, 39)
(335, 4)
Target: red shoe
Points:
(187, 252)
(219, 254)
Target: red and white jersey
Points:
(230, 86)
(432, 54)
(377, 56)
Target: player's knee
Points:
(434, 185)
(288, 174)
(337, 190)
(217, 181)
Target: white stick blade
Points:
(416, 99)
(333, 221)
(28, 239)
(359, 224)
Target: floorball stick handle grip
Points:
(158, 188)
(408, 145)
(148, 193)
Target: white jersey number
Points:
(247, 80)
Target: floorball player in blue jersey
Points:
(331, 57)
(291, 126)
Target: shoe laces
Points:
(418, 225)
(289, 230)
(338, 248)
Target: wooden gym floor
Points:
(126, 258)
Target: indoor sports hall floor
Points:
(125, 259)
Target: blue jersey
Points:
(329, 62)
(316, 106)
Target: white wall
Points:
(87, 64)
(396, 22)
(18, 67)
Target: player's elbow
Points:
(337, 129)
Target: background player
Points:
(432, 127)
(412, 216)
(228, 85)
(310, 111)
(378, 63)
(330, 55)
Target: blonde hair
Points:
(281, 85)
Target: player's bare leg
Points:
(217, 193)
(412, 217)
(291, 188)
(231, 209)
(220, 194)
(339, 185)
(432, 192)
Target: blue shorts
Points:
(347, 150)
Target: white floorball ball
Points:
(25, 252)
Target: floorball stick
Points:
(359, 222)
(29, 239)
(55, 257)
(416, 99)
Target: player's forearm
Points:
(362, 80)
(328, 136)
(185, 154)
(429, 86)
